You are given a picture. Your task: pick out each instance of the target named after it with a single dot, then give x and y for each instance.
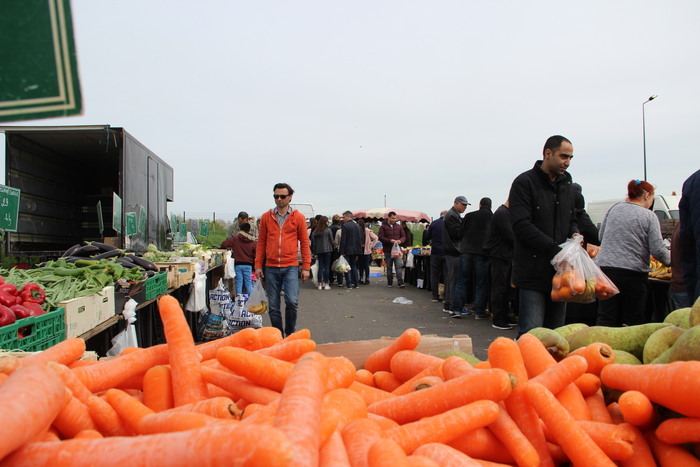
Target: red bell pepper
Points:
(7, 316)
(20, 311)
(8, 294)
(32, 292)
(34, 308)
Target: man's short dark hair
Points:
(279, 186)
(243, 215)
(348, 213)
(245, 227)
(554, 142)
(391, 213)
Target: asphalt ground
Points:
(368, 312)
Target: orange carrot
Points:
(557, 453)
(446, 455)
(637, 409)
(660, 383)
(78, 363)
(29, 401)
(577, 445)
(597, 355)
(203, 446)
(641, 452)
(171, 421)
(615, 440)
(333, 452)
(265, 371)
(216, 391)
(386, 381)
(300, 334)
(492, 385)
(384, 423)
(49, 435)
(106, 419)
(508, 432)
(266, 337)
(381, 359)
(573, 401)
(358, 437)
(386, 453)
(299, 412)
(679, 430)
(421, 461)
(338, 408)
(454, 367)
(246, 338)
(365, 377)
(535, 355)
(217, 407)
(3, 377)
(588, 384)
(482, 444)
(77, 388)
(505, 354)
(73, 417)
(240, 387)
(9, 364)
(670, 455)
(341, 373)
(288, 350)
(262, 415)
(188, 384)
(485, 365)
(563, 373)
(158, 388)
(370, 394)
(130, 409)
(445, 426)
(432, 370)
(615, 413)
(65, 352)
(426, 382)
(134, 382)
(597, 408)
(88, 434)
(405, 364)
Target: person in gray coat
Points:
(351, 246)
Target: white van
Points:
(307, 209)
(665, 207)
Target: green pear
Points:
(569, 329)
(679, 317)
(686, 347)
(659, 342)
(556, 344)
(694, 317)
(628, 338)
(626, 358)
(445, 354)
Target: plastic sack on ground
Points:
(341, 265)
(578, 278)
(126, 338)
(211, 323)
(257, 303)
(197, 300)
(229, 266)
(402, 301)
(237, 318)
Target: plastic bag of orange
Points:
(578, 278)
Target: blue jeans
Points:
(473, 269)
(679, 300)
(324, 267)
(351, 277)
(537, 310)
(363, 267)
(276, 280)
(243, 280)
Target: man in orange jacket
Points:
(282, 234)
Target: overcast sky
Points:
(415, 101)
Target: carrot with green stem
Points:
(30, 399)
(492, 385)
(333, 452)
(577, 445)
(446, 455)
(265, 371)
(299, 412)
(405, 364)
(202, 446)
(637, 409)
(65, 352)
(508, 432)
(188, 383)
(73, 417)
(444, 427)
(158, 388)
(432, 370)
(482, 444)
(386, 453)
(660, 383)
(381, 359)
(358, 436)
(679, 430)
(670, 455)
(386, 381)
(240, 387)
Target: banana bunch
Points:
(659, 271)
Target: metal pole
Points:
(644, 138)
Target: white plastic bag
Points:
(409, 260)
(229, 266)
(257, 303)
(341, 265)
(126, 338)
(396, 251)
(197, 300)
(402, 301)
(314, 273)
(237, 318)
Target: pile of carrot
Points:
(257, 399)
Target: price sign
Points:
(130, 219)
(116, 213)
(142, 219)
(100, 220)
(204, 229)
(9, 208)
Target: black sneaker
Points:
(505, 327)
(482, 316)
(434, 300)
(457, 314)
(401, 286)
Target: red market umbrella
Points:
(404, 215)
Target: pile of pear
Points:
(677, 338)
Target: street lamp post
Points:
(644, 134)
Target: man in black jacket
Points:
(451, 232)
(543, 216)
(351, 246)
(499, 244)
(473, 262)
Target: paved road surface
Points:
(339, 315)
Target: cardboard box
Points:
(84, 313)
(376, 271)
(171, 270)
(180, 273)
(358, 351)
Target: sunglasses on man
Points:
(280, 196)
